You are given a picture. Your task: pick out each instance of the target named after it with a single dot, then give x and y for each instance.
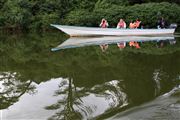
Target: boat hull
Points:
(94, 31)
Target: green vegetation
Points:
(34, 15)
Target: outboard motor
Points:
(173, 26)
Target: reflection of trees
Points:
(164, 81)
(157, 78)
(72, 106)
(112, 92)
(69, 101)
(11, 89)
(87, 67)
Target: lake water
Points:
(128, 83)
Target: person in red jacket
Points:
(121, 24)
(104, 23)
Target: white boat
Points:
(74, 42)
(75, 31)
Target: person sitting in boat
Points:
(104, 47)
(121, 24)
(104, 23)
(132, 25)
(161, 23)
(137, 23)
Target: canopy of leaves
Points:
(37, 15)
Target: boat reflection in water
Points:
(103, 42)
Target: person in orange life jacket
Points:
(121, 24)
(138, 22)
(132, 25)
(104, 23)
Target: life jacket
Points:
(121, 25)
(104, 24)
(131, 25)
(131, 43)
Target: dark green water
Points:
(86, 83)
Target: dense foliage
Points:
(37, 15)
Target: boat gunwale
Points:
(104, 29)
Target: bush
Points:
(38, 15)
(148, 13)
